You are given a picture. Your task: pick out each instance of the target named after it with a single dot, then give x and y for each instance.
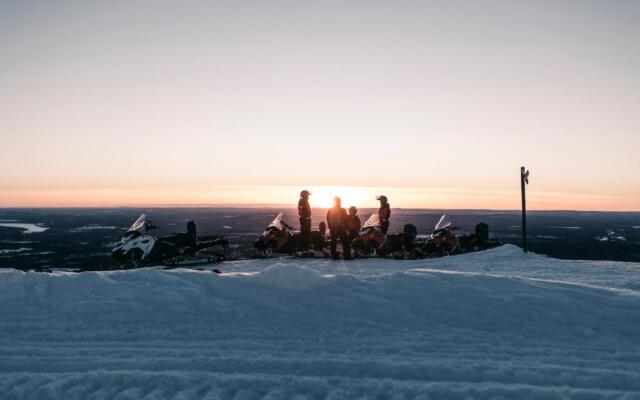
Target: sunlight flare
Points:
(322, 196)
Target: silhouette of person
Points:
(354, 223)
(384, 212)
(304, 212)
(337, 220)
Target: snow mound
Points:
(497, 324)
(289, 276)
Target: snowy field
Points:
(492, 325)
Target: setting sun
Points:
(322, 196)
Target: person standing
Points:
(337, 220)
(304, 212)
(355, 224)
(384, 213)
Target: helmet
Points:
(305, 192)
(382, 198)
(353, 209)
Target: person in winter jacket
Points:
(304, 212)
(338, 221)
(384, 212)
(354, 223)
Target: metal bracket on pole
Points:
(524, 180)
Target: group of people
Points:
(343, 226)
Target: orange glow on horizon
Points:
(322, 197)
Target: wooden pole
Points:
(524, 179)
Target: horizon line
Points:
(270, 206)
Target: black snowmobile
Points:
(478, 240)
(138, 247)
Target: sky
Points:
(436, 104)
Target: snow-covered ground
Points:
(26, 228)
(492, 325)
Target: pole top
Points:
(524, 175)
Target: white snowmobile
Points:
(138, 246)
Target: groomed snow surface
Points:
(492, 325)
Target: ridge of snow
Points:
(496, 324)
(289, 277)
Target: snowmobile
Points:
(372, 242)
(279, 237)
(442, 241)
(138, 246)
(478, 240)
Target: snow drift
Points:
(319, 329)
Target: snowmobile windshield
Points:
(373, 222)
(278, 222)
(140, 224)
(443, 222)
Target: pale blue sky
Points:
(192, 96)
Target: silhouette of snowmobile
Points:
(442, 241)
(138, 246)
(279, 237)
(478, 240)
(372, 242)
